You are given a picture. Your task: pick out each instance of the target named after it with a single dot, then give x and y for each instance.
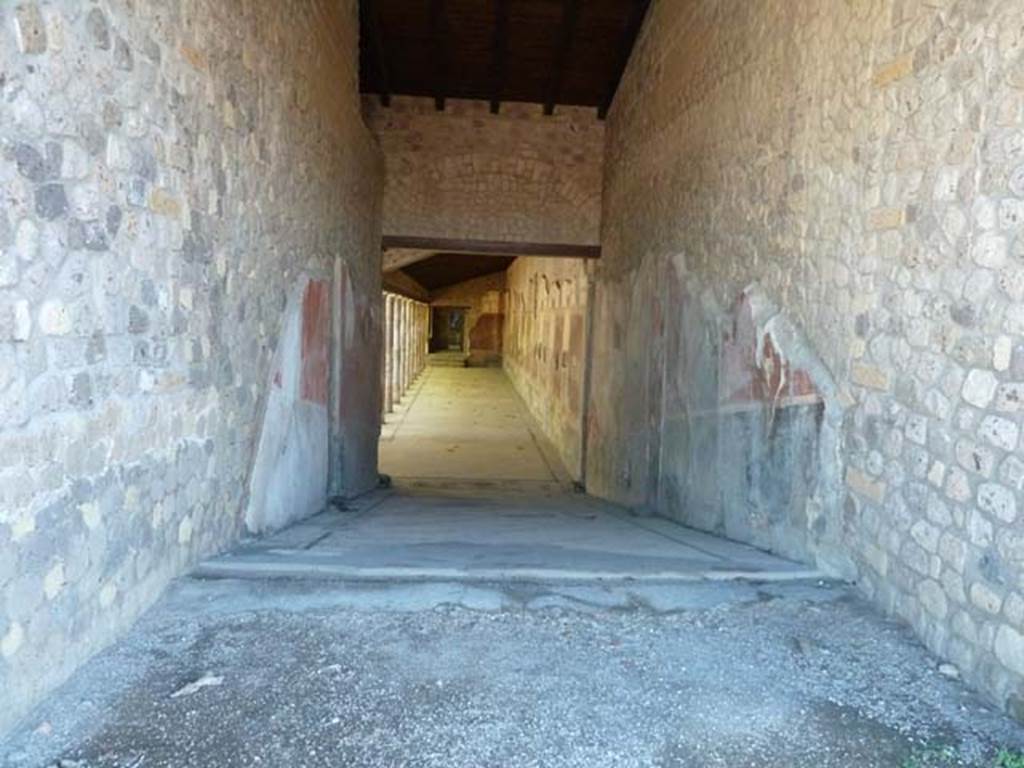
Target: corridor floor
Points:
(467, 424)
(478, 496)
(475, 622)
(230, 673)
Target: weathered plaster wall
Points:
(546, 347)
(485, 315)
(172, 173)
(467, 174)
(811, 299)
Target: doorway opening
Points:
(448, 329)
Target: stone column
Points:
(419, 339)
(414, 329)
(407, 346)
(413, 307)
(430, 328)
(424, 309)
(389, 331)
(416, 340)
(384, 355)
(396, 351)
(393, 371)
(400, 349)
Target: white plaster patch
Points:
(54, 581)
(185, 531)
(90, 515)
(22, 525)
(12, 641)
(107, 595)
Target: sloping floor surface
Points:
(480, 496)
(458, 620)
(234, 673)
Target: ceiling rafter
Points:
(379, 51)
(552, 53)
(499, 54)
(438, 35)
(566, 29)
(632, 31)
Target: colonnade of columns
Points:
(406, 334)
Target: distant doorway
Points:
(448, 329)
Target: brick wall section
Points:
(169, 170)
(465, 173)
(546, 346)
(861, 167)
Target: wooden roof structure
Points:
(549, 52)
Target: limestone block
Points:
(998, 501)
(870, 376)
(30, 27)
(1009, 648)
(980, 387)
(933, 598)
(986, 598)
(1000, 432)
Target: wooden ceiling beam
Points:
(636, 20)
(570, 15)
(438, 35)
(379, 51)
(499, 54)
(491, 247)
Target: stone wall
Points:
(546, 347)
(813, 255)
(172, 173)
(467, 174)
(485, 315)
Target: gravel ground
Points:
(290, 674)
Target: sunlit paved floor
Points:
(463, 423)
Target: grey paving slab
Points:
(478, 535)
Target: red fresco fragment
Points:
(315, 332)
(743, 378)
(360, 367)
(485, 335)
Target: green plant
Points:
(932, 757)
(1009, 759)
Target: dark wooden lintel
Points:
(492, 247)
